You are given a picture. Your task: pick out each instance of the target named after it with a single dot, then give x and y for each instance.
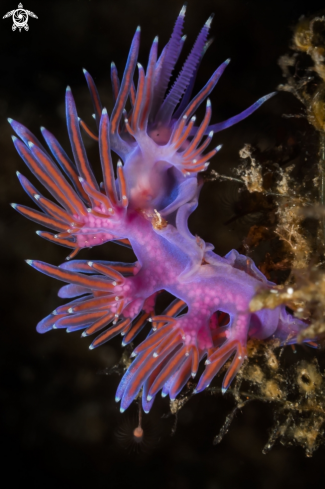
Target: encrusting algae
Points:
(294, 203)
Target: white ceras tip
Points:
(149, 398)
(155, 39)
(14, 138)
(211, 133)
(90, 263)
(91, 347)
(13, 205)
(81, 180)
(29, 262)
(70, 310)
(83, 334)
(18, 173)
(266, 97)
(208, 102)
(84, 71)
(209, 21)
(183, 10)
(104, 111)
(119, 163)
(30, 144)
(37, 196)
(10, 120)
(218, 148)
(39, 233)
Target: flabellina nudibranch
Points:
(146, 205)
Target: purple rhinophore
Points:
(145, 203)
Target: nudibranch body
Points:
(146, 205)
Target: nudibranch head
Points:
(158, 139)
(161, 148)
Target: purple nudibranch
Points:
(146, 204)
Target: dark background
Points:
(58, 415)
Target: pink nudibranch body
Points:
(146, 204)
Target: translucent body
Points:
(146, 204)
